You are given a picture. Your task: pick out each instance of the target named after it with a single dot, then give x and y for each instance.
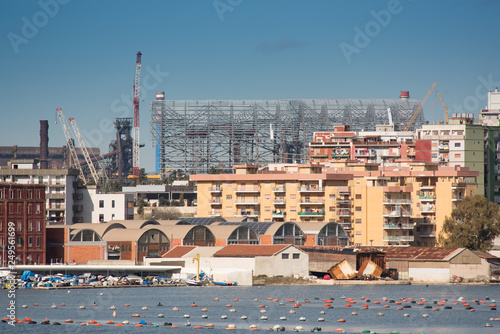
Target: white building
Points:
(61, 185)
(96, 208)
(491, 115)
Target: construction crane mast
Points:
(69, 140)
(137, 94)
(417, 111)
(83, 147)
(444, 105)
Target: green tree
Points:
(473, 224)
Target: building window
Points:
(30, 242)
(358, 196)
(19, 226)
(296, 256)
(358, 208)
(112, 216)
(113, 203)
(267, 209)
(285, 256)
(229, 197)
(38, 208)
(293, 209)
(267, 197)
(358, 221)
(38, 226)
(101, 217)
(457, 155)
(19, 241)
(38, 241)
(30, 226)
(101, 203)
(293, 196)
(457, 144)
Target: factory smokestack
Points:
(44, 144)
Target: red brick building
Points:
(24, 206)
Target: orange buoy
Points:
(63, 304)
(404, 300)
(347, 305)
(174, 326)
(400, 308)
(118, 325)
(466, 304)
(307, 301)
(193, 305)
(276, 300)
(35, 304)
(328, 301)
(493, 305)
(229, 305)
(377, 302)
(110, 322)
(341, 320)
(92, 321)
(472, 310)
(327, 305)
(27, 320)
(398, 303)
(216, 299)
(365, 306)
(271, 298)
(127, 304)
(420, 303)
(135, 315)
(255, 329)
(197, 327)
(83, 324)
(97, 324)
(19, 322)
(69, 321)
(236, 299)
(386, 306)
(440, 304)
(339, 330)
(262, 305)
(139, 325)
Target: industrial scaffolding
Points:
(197, 136)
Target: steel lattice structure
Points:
(199, 135)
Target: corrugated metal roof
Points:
(419, 253)
(250, 250)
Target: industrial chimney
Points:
(44, 144)
(405, 95)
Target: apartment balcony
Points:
(215, 189)
(427, 234)
(279, 190)
(340, 155)
(365, 153)
(427, 222)
(247, 201)
(456, 198)
(342, 213)
(279, 201)
(342, 201)
(215, 202)
(426, 187)
(247, 190)
(311, 202)
(458, 185)
(347, 226)
(427, 198)
(311, 189)
(55, 195)
(279, 214)
(248, 214)
(215, 214)
(396, 213)
(311, 214)
(398, 226)
(319, 156)
(57, 207)
(444, 147)
(428, 209)
(403, 238)
(402, 201)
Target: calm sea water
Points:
(456, 320)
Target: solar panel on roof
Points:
(198, 220)
(259, 227)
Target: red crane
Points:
(137, 93)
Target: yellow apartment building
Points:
(375, 205)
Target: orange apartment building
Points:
(397, 205)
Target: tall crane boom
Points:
(444, 105)
(69, 140)
(417, 111)
(137, 94)
(83, 147)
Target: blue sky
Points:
(80, 56)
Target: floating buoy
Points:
(347, 305)
(263, 311)
(174, 326)
(264, 317)
(204, 309)
(91, 322)
(321, 319)
(223, 316)
(63, 304)
(35, 304)
(198, 327)
(69, 321)
(193, 305)
(380, 314)
(204, 316)
(110, 322)
(185, 316)
(291, 312)
(210, 325)
(302, 318)
(144, 308)
(283, 318)
(354, 313)
(406, 314)
(54, 306)
(127, 304)
(24, 306)
(425, 315)
(139, 325)
(118, 325)
(244, 317)
(236, 299)
(135, 315)
(83, 324)
(216, 299)
(341, 320)
(229, 305)
(232, 310)
(175, 308)
(231, 326)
